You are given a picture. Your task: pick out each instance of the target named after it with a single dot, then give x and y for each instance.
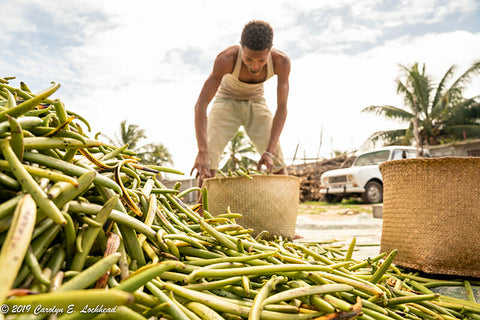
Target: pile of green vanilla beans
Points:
(89, 232)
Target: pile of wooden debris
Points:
(310, 173)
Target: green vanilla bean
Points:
(29, 184)
(384, 267)
(28, 104)
(16, 245)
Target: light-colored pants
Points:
(226, 117)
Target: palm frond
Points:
(247, 149)
(440, 98)
(409, 96)
(448, 116)
(389, 112)
(461, 132)
(131, 134)
(465, 112)
(239, 147)
(155, 153)
(387, 137)
(465, 78)
(422, 87)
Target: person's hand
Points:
(266, 160)
(202, 166)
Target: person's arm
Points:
(282, 69)
(209, 89)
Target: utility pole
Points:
(320, 144)
(295, 154)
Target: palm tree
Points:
(151, 153)
(434, 114)
(129, 134)
(156, 154)
(237, 155)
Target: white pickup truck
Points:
(363, 178)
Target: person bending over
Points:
(236, 83)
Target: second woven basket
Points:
(431, 214)
(267, 202)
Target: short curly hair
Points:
(257, 35)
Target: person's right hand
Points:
(202, 166)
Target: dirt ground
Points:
(320, 222)
(323, 211)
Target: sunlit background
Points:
(145, 61)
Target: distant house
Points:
(468, 148)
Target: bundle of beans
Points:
(88, 232)
(241, 172)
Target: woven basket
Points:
(431, 214)
(267, 202)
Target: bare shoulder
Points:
(281, 61)
(225, 60)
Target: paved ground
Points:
(343, 225)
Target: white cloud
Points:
(145, 61)
(12, 22)
(329, 91)
(409, 12)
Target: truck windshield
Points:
(373, 158)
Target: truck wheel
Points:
(373, 192)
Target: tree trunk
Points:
(415, 127)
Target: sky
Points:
(145, 61)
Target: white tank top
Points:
(232, 88)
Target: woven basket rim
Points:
(255, 176)
(430, 161)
